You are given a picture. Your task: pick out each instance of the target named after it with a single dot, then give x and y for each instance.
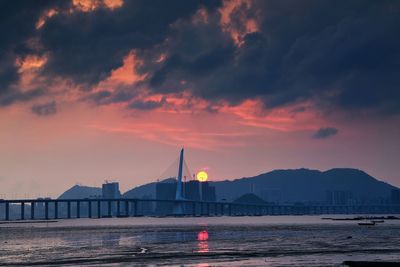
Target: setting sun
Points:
(202, 176)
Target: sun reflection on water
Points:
(202, 238)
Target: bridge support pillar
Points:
(194, 208)
(98, 209)
(22, 210)
(126, 208)
(118, 208)
(109, 208)
(32, 210)
(7, 207)
(78, 209)
(89, 209)
(69, 209)
(135, 211)
(56, 209)
(46, 210)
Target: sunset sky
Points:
(111, 89)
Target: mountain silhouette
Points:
(283, 186)
(79, 191)
(304, 185)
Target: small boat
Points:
(378, 221)
(366, 223)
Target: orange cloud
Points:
(90, 5)
(124, 75)
(176, 131)
(112, 4)
(238, 8)
(30, 62)
(127, 73)
(183, 119)
(287, 119)
(161, 58)
(250, 113)
(28, 68)
(46, 15)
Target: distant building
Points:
(111, 190)
(207, 192)
(191, 190)
(395, 196)
(165, 190)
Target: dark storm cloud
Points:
(86, 46)
(340, 54)
(8, 73)
(17, 27)
(13, 96)
(45, 109)
(325, 133)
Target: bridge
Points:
(49, 209)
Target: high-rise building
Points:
(111, 190)
(207, 192)
(191, 190)
(167, 191)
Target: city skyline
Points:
(243, 88)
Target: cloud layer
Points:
(339, 56)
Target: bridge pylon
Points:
(178, 206)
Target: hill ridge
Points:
(288, 185)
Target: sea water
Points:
(203, 241)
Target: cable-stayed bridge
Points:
(32, 209)
(48, 209)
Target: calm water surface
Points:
(213, 241)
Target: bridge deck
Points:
(22, 209)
